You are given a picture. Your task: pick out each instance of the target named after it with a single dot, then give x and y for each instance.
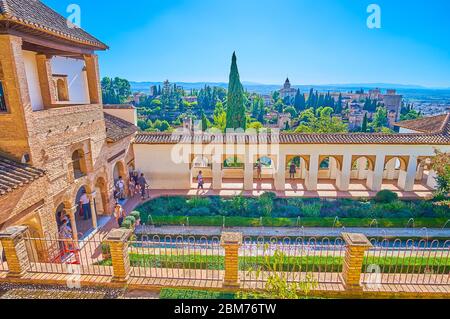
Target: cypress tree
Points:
(364, 124)
(235, 103)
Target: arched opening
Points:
(201, 167)
(3, 108)
(62, 90)
(84, 213)
(328, 167)
(78, 164)
(393, 168)
(425, 176)
(120, 181)
(233, 173)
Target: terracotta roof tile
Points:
(441, 137)
(117, 129)
(14, 175)
(36, 15)
(431, 124)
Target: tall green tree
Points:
(364, 124)
(236, 118)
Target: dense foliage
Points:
(236, 118)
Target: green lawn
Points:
(304, 263)
(293, 222)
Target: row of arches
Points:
(329, 168)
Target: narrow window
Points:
(3, 108)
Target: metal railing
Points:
(179, 257)
(66, 256)
(295, 259)
(411, 262)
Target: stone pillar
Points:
(343, 178)
(73, 222)
(248, 176)
(431, 179)
(92, 197)
(312, 176)
(48, 90)
(93, 78)
(231, 242)
(356, 246)
(217, 176)
(408, 178)
(13, 243)
(117, 240)
(280, 173)
(375, 177)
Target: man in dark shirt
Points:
(142, 182)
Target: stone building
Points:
(56, 140)
(393, 103)
(287, 90)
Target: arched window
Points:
(266, 162)
(233, 162)
(325, 164)
(3, 108)
(78, 164)
(61, 88)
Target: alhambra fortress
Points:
(58, 140)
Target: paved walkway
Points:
(325, 189)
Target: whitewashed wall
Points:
(33, 80)
(76, 78)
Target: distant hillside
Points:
(412, 92)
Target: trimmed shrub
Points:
(136, 215)
(127, 224)
(311, 210)
(386, 196)
(131, 219)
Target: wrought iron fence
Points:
(294, 259)
(411, 262)
(179, 257)
(66, 256)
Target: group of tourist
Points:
(137, 184)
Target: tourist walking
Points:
(292, 170)
(200, 180)
(259, 169)
(142, 182)
(85, 205)
(131, 187)
(119, 214)
(120, 185)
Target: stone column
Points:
(117, 240)
(13, 243)
(408, 178)
(280, 173)
(343, 180)
(248, 176)
(73, 222)
(375, 177)
(48, 90)
(356, 246)
(92, 197)
(217, 175)
(231, 242)
(312, 176)
(431, 179)
(93, 78)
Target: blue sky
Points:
(311, 41)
